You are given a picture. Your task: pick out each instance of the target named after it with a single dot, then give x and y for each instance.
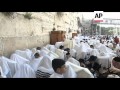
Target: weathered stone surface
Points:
(18, 32)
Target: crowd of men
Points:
(79, 57)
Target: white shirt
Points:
(56, 75)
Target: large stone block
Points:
(8, 46)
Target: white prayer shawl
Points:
(58, 44)
(73, 52)
(43, 52)
(53, 55)
(77, 40)
(52, 48)
(33, 50)
(70, 73)
(47, 50)
(110, 45)
(113, 76)
(35, 63)
(48, 46)
(69, 43)
(76, 47)
(94, 52)
(97, 45)
(2, 75)
(104, 60)
(104, 49)
(46, 62)
(19, 59)
(86, 44)
(4, 66)
(29, 54)
(74, 61)
(82, 52)
(12, 65)
(33, 57)
(81, 72)
(25, 54)
(56, 75)
(24, 71)
(60, 53)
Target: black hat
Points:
(61, 47)
(117, 59)
(92, 58)
(57, 63)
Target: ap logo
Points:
(98, 16)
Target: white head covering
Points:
(35, 63)
(52, 48)
(46, 64)
(25, 54)
(58, 44)
(12, 65)
(4, 66)
(94, 52)
(70, 73)
(2, 75)
(33, 50)
(24, 71)
(73, 52)
(81, 72)
(18, 59)
(43, 52)
(53, 55)
(74, 61)
(60, 53)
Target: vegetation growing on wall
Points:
(28, 15)
(8, 13)
(59, 13)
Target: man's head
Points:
(117, 59)
(67, 49)
(59, 66)
(92, 59)
(91, 46)
(61, 47)
(68, 55)
(81, 41)
(36, 55)
(38, 48)
(81, 60)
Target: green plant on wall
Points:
(28, 15)
(59, 13)
(8, 13)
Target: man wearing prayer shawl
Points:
(59, 68)
(45, 67)
(72, 60)
(36, 61)
(1, 73)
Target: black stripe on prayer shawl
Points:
(43, 72)
(40, 74)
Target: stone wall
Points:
(17, 32)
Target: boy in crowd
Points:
(59, 68)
